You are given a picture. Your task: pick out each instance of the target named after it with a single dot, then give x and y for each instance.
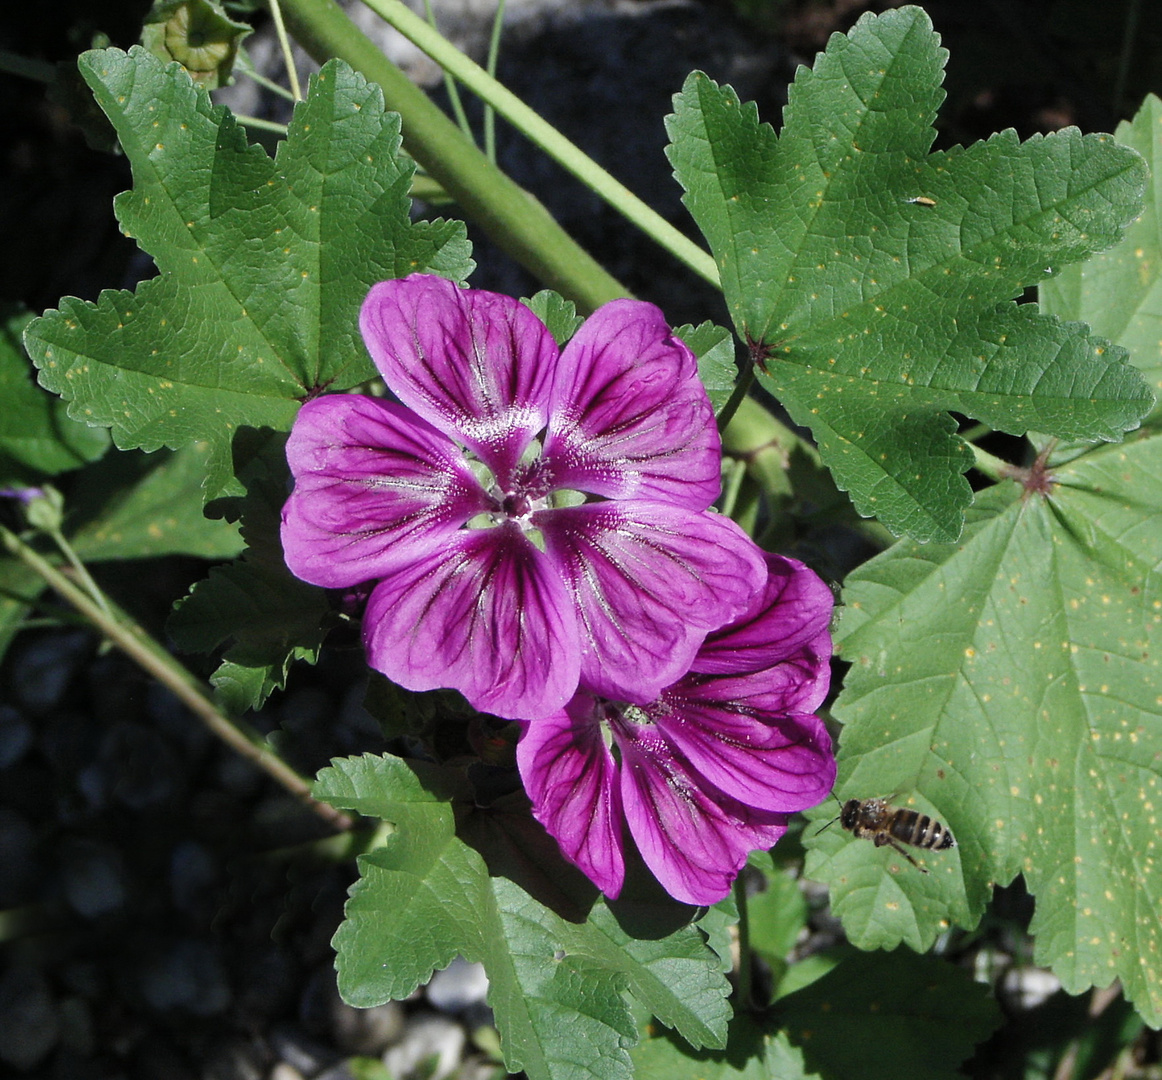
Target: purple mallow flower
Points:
(529, 516)
(711, 768)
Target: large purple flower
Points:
(709, 770)
(529, 516)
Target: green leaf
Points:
(778, 913)
(873, 281)
(1119, 292)
(923, 1017)
(755, 1054)
(555, 985)
(36, 437)
(1010, 685)
(133, 506)
(263, 263)
(714, 348)
(271, 616)
(557, 313)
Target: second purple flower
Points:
(530, 517)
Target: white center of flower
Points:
(524, 496)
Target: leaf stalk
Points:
(566, 153)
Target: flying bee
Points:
(877, 820)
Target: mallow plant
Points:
(584, 551)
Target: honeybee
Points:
(877, 820)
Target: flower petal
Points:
(374, 485)
(767, 759)
(793, 613)
(570, 776)
(648, 580)
(477, 365)
(485, 614)
(630, 417)
(693, 838)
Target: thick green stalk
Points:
(547, 137)
(507, 213)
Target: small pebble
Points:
(93, 877)
(141, 766)
(29, 1018)
(77, 1026)
(283, 1071)
(236, 1058)
(187, 976)
(432, 1043)
(41, 672)
(299, 1051)
(459, 985)
(15, 736)
(193, 875)
(368, 1032)
(18, 858)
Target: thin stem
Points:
(152, 658)
(745, 972)
(280, 29)
(450, 86)
(977, 431)
(490, 67)
(262, 80)
(81, 570)
(737, 395)
(993, 467)
(547, 137)
(14, 64)
(258, 122)
(735, 476)
(507, 214)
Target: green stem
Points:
(745, 973)
(547, 137)
(82, 571)
(509, 215)
(450, 87)
(737, 396)
(248, 70)
(14, 64)
(258, 122)
(490, 67)
(977, 431)
(284, 43)
(736, 473)
(994, 468)
(151, 657)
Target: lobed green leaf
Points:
(263, 263)
(755, 1054)
(922, 1015)
(873, 281)
(1119, 292)
(1010, 685)
(36, 436)
(135, 506)
(556, 985)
